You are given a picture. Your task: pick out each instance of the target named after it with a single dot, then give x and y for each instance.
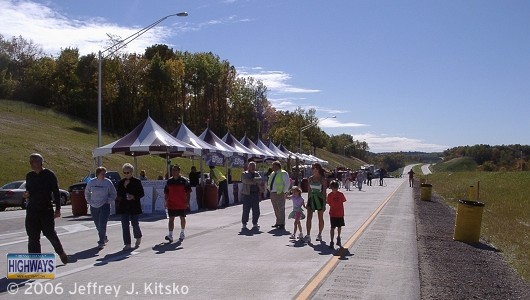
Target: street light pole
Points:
(300, 139)
(344, 152)
(307, 127)
(115, 47)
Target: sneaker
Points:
(292, 236)
(127, 247)
(101, 246)
(138, 242)
(319, 237)
(339, 242)
(169, 238)
(307, 239)
(255, 227)
(331, 245)
(300, 236)
(64, 258)
(182, 236)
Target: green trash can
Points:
(426, 192)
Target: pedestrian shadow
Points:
(78, 218)
(249, 232)
(297, 243)
(7, 285)
(322, 248)
(113, 257)
(85, 254)
(278, 232)
(342, 253)
(165, 247)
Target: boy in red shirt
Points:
(335, 201)
(177, 195)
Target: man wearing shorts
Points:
(177, 197)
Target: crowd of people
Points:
(100, 192)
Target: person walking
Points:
(316, 200)
(130, 191)
(177, 199)
(222, 182)
(278, 185)
(41, 187)
(250, 194)
(411, 178)
(369, 176)
(381, 176)
(360, 179)
(335, 200)
(99, 193)
(298, 213)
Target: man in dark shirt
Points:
(40, 217)
(194, 176)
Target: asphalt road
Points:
(219, 260)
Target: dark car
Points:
(80, 186)
(11, 195)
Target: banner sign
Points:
(215, 159)
(237, 161)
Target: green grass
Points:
(65, 143)
(456, 165)
(506, 217)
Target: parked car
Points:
(80, 186)
(11, 195)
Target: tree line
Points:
(493, 158)
(200, 89)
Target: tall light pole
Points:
(344, 152)
(111, 50)
(309, 126)
(300, 137)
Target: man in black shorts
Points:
(177, 197)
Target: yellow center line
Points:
(317, 280)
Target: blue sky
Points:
(401, 75)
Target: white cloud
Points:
(55, 31)
(334, 123)
(385, 143)
(276, 81)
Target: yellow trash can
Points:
(426, 192)
(468, 221)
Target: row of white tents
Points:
(149, 138)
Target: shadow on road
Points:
(249, 232)
(322, 248)
(279, 232)
(165, 247)
(85, 254)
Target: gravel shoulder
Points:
(456, 270)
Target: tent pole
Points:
(135, 167)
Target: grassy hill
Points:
(67, 145)
(460, 164)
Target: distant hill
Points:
(456, 165)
